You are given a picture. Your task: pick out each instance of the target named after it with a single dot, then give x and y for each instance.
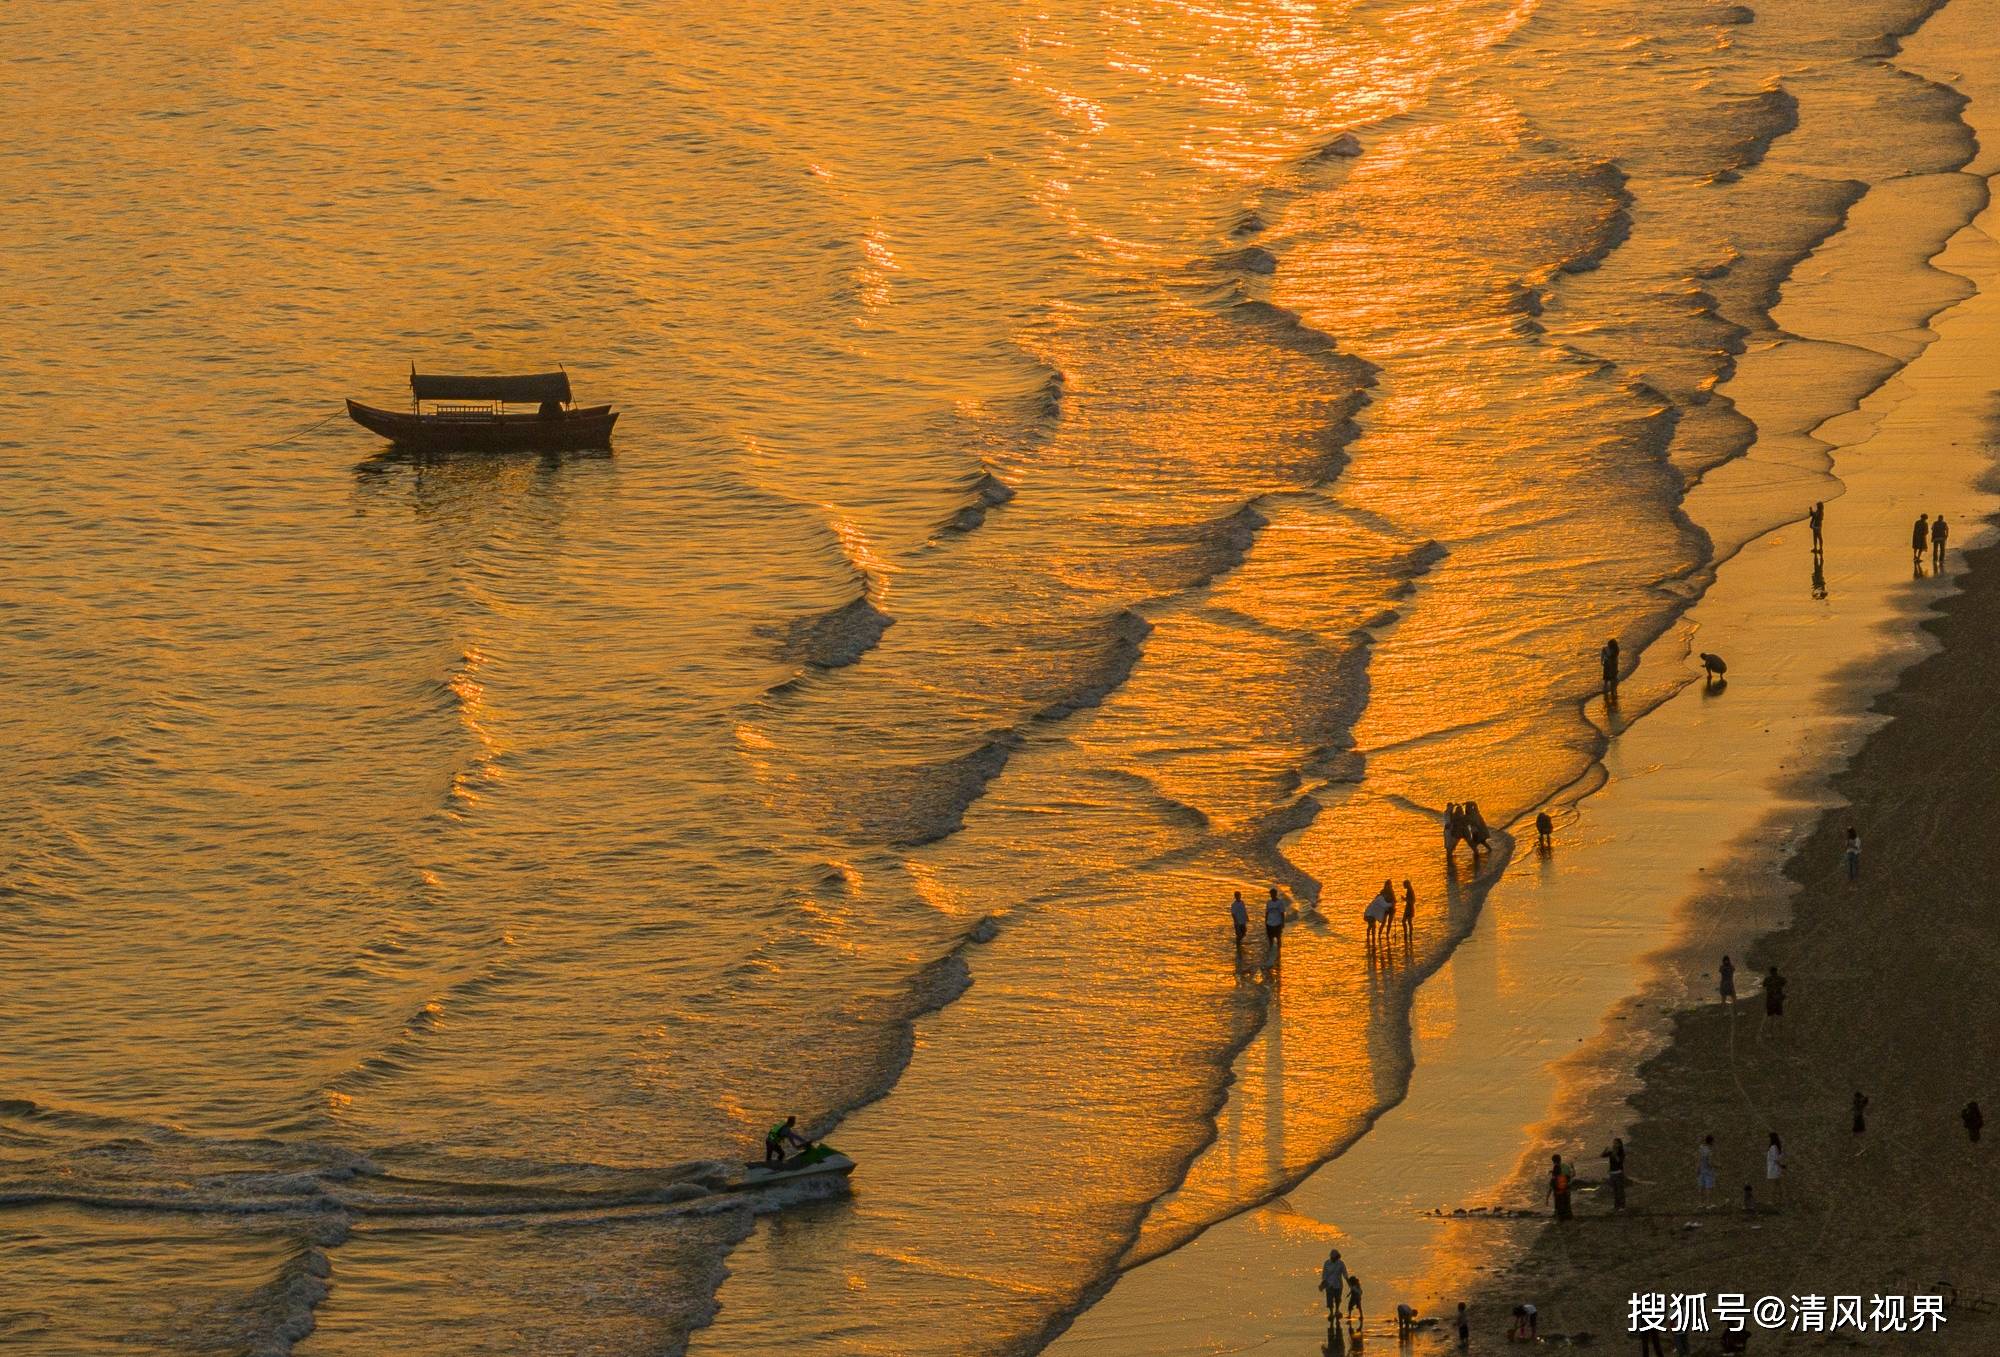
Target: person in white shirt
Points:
(1774, 1169)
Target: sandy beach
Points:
(1889, 995)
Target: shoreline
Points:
(1363, 1198)
(1903, 1203)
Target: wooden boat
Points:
(470, 414)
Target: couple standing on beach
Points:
(1930, 532)
(1380, 912)
(1274, 922)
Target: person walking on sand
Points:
(1727, 984)
(1704, 1169)
(1615, 1160)
(1920, 537)
(1545, 829)
(1774, 1169)
(1558, 1187)
(1332, 1277)
(1274, 925)
(1354, 1314)
(1853, 854)
(1816, 520)
(1239, 915)
(1464, 1328)
(1860, 1112)
(1409, 907)
(1970, 1115)
(1940, 534)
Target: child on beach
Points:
(1728, 984)
(1354, 1300)
(1853, 854)
(1774, 1169)
(1464, 1327)
(1704, 1168)
(1409, 907)
(1406, 1319)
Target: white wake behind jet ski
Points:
(820, 1161)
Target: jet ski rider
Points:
(775, 1138)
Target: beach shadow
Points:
(1714, 686)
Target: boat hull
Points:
(574, 431)
(831, 1164)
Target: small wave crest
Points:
(835, 638)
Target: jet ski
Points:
(819, 1161)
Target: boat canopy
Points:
(533, 390)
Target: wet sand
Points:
(1581, 959)
(1890, 994)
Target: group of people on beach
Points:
(1336, 1280)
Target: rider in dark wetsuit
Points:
(775, 1138)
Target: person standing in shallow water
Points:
(1920, 538)
(1728, 982)
(1545, 829)
(1409, 907)
(1239, 915)
(1940, 533)
(1608, 658)
(1274, 925)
